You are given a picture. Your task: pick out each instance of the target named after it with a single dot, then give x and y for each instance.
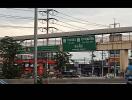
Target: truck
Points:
(128, 74)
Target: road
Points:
(82, 80)
(95, 80)
(3, 82)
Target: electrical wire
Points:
(15, 17)
(11, 26)
(73, 25)
(78, 21)
(88, 23)
(19, 9)
(82, 19)
(67, 26)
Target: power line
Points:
(19, 17)
(82, 19)
(66, 18)
(78, 21)
(11, 26)
(61, 30)
(73, 25)
(67, 26)
(19, 9)
(16, 17)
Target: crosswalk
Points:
(3, 82)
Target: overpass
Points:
(77, 33)
(123, 46)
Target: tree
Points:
(62, 59)
(8, 51)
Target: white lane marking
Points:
(3, 82)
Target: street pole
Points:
(115, 50)
(35, 44)
(102, 64)
(47, 32)
(114, 65)
(84, 60)
(92, 63)
(114, 54)
(47, 43)
(102, 60)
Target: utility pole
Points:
(92, 63)
(84, 61)
(114, 24)
(102, 60)
(35, 44)
(47, 32)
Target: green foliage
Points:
(11, 71)
(8, 51)
(62, 59)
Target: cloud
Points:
(12, 12)
(92, 15)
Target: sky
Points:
(103, 16)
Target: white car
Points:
(109, 75)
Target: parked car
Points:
(69, 74)
(128, 74)
(109, 75)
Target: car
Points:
(109, 75)
(69, 74)
(129, 81)
(128, 74)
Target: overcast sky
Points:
(102, 16)
(92, 15)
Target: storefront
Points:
(27, 62)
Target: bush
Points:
(11, 71)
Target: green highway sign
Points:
(46, 48)
(24, 50)
(79, 43)
(39, 48)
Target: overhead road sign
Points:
(79, 43)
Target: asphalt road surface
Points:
(3, 82)
(88, 81)
(69, 81)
